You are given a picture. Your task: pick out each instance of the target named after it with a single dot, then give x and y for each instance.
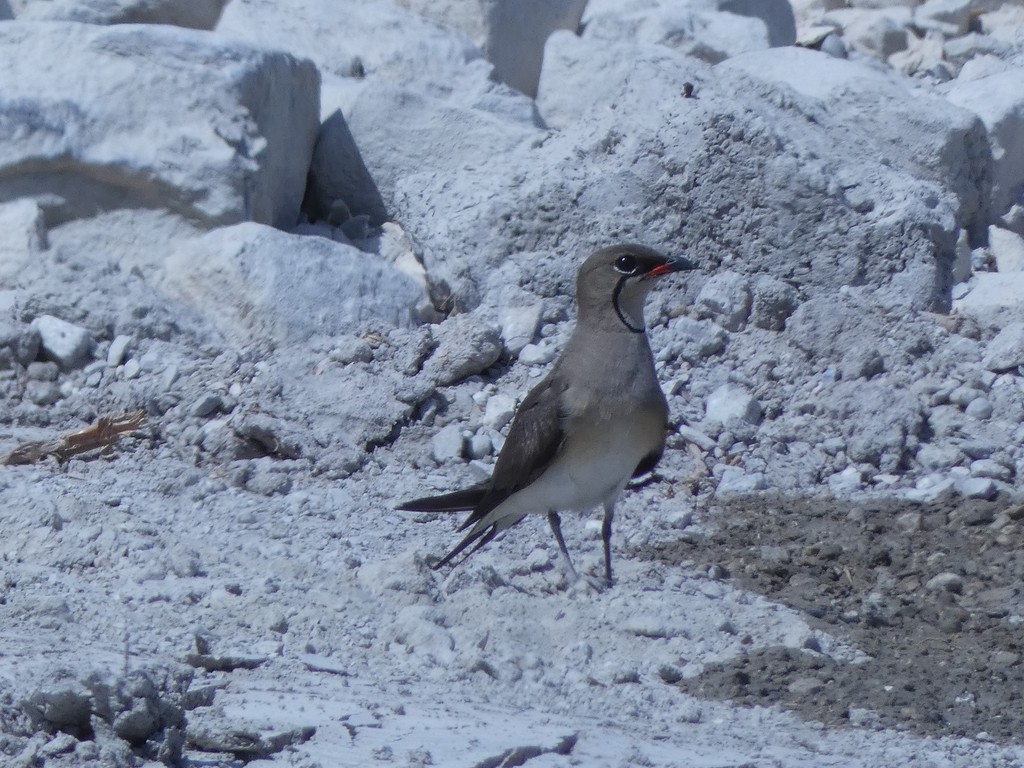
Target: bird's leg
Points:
(556, 527)
(606, 538)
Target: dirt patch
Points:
(932, 593)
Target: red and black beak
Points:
(672, 265)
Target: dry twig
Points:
(104, 433)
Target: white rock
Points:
(977, 488)
(726, 298)
(342, 37)
(117, 350)
(994, 300)
(999, 101)
(696, 437)
(931, 488)
(979, 408)
(777, 16)
(731, 401)
(773, 302)
(990, 468)
(945, 582)
(499, 411)
(448, 444)
(519, 325)
(1006, 351)
(24, 236)
(466, 346)
(735, 482)
(228, 139)
(68, 345)
(932, 456)
(879, 33)
(950, 17)
(696, 30)
(515, 32)
(197, 14)
(253, 280)
(848, 481)
(479, 446)
(1007, 248)
(537, 354)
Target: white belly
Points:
(592, 470)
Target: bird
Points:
(597, 420)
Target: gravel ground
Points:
(931, 593)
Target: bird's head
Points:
(614, 282)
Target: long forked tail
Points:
(458, 501)
(480, 537)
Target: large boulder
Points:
(998, 100)
(354, 42)
(258, 283)
(228, 139)
(516, 31)
(768, 170)
(197, 14)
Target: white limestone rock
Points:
(999, 101)
(1007, 248)
(466, 345)
(197, 14)
(735, 482)
(777, 16)
(878, 33)
(1006, 351)
(354, 43)
(726, 298)
(993, 299)
(950, 17)
(519, 320)
(23, 237)
(695, 30)
(19, 343)
(67, 344)
(515, 32)
(732, 402)
(499, 411)
(773, 302)
(448, 444)
(255, 281)
(228, 138)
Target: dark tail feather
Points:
(459, 501)
(484, 537)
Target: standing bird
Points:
(595, 421)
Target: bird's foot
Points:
(585, 584)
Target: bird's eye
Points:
(625, 265)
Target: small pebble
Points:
(979, 408)
(479, 446)
(537, 354)
(946, 582)
(206, 405)
(977, 488)
(117, 350)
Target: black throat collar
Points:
(618, 310)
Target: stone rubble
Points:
(328, 245)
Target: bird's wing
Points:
(533, 441)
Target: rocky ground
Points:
(269, 268)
